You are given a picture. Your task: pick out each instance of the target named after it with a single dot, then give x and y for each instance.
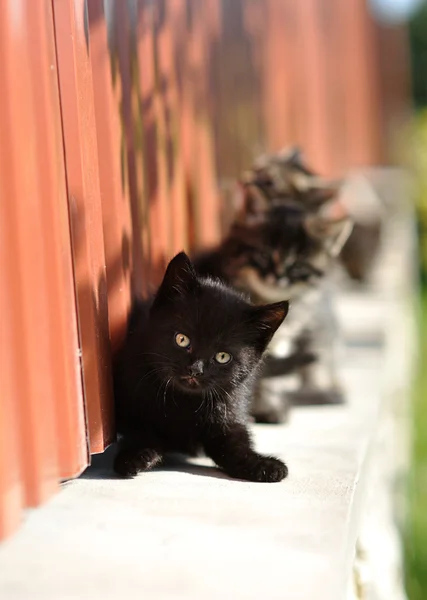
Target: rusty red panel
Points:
(152, 17)
(331, 39)
(25, 242)
(276, 25)
(360, 81)
(168, 14)
(39, 360)
(65, 364)
(187, 148)
(126, 85)
(11, 484)
(392, 49)
(312, 87)
(144, 115)
(199, 150)
(115, 203)
(81, 159)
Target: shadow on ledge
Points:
(102, 466)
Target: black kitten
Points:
(184, 377)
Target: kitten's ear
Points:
(180, 278)
(332, 226)
(267, 319)
(291, 155)
(253, 204)
(320, 194)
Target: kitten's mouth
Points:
(190, 381)
(266, 291)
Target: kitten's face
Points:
(201, 335)
(281, 259)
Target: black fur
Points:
(170, 398)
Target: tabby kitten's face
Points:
(285, 249)
(280, 259)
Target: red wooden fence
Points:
(122, 127)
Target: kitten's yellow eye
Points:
(182, 340)
(222, 358)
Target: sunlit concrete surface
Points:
(188, 531)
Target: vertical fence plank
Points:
(64, 360)
(278, 83)
(201, 155)
(11, 488)
(126, 61)
(39, 346)
(81, 157)
(313, 88)
(360, 83)
(392, 48)
(236, 95)
(25, 241)
(115, 203)
(169, 12)
(188, 151)
(156, 20)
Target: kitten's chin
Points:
(252, 281)
(189, 384)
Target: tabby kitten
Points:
(184, 376)
(281, 246)
(286, 175)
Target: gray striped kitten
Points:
(282, 246)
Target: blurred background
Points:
(135, 119)
(415, 152)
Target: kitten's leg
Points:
(319, 381)
(232, 451)
(137, 453)
(271, 402)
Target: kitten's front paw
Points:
(129, 463)
(260, 468)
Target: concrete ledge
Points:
(187, 531)
(193, 533)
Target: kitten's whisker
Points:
(211, 401)
(164, 393)
(179, 290)
(153, 354)
(225, 392)
(224, 404)
(173, 395)
(201, 404)
(152, 372)
(158, 393)
(212, 405)
(205, 396)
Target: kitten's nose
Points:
(196, 368)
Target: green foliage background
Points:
(415, 536)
